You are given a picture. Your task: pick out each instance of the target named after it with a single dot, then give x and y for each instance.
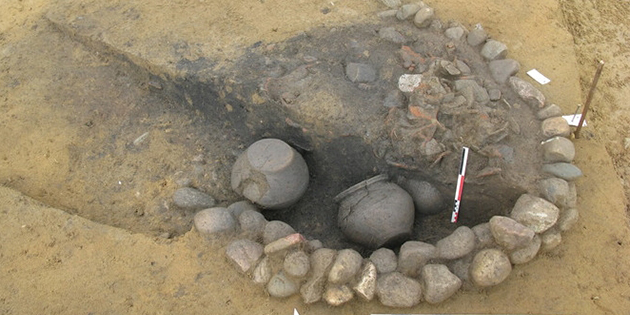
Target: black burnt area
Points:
(350, 148)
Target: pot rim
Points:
(359, 186)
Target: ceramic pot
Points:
(376, 213)
(270, 173)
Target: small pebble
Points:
(555, 126)
(275, 230)
(337, 295)
(407, 10)
(527, 253)
(527, 92)
(566, 171)
(555, 190)
(244, 254)
(439, 283)
(552, 110)
(424, 17)
(192, 199)
(510, 234)
(558, 149)
(347, 264)
(215, 222)
(477, 36)
(413, 255)
(296, 264)
(281, 286)
(365, 286)
(550, 239)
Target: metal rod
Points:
(600, 67)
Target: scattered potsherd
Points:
(566, 171)
(439, 283)
(192, 199)
(347, 264)
(244, 254)
(458, 244)
(413, 255)
(527, 253)
(365, 286)
(555, 126)
(396, 290)
(392, 35)
(558, 149)
(527, 92)
(384, 259)
(490, 267)
(360, 72)
(215, 222)
(493, 50)
(535, 213)
(510, 234)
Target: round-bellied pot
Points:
(376, 213)
(271, 174)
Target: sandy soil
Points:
(68, 144)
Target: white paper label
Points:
(539, 77)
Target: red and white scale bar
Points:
(460, 185)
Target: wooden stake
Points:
(600, 67)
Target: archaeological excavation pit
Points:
(396, 101)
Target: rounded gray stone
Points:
(484, 236)
(555, 190)
(439, 283)
(392, 35)
(413, 255)
(555, 126)
(281, 286)
(244, 254)
(550, 239)
(275, 230)
(347, 264)
(494, 50)
(510, 234)
(527, 253)
(337, 295)
(455, 33)
(458, 244)
(527, 92)
(238, 207)
(552, 110)
(396, 290)
(558, 149)
(391, 3)
(424, 17)
(314, 245)
(192, 199)
(296, 264)
(503, 69)
(490, 267)
(408, 10)
(384, 259)
(572, 198)
(477, 36)
(535, 213)
(426, 198)
(252, 224)
(360, 72)
(566, 171)
(217, 222)
(568, 218)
